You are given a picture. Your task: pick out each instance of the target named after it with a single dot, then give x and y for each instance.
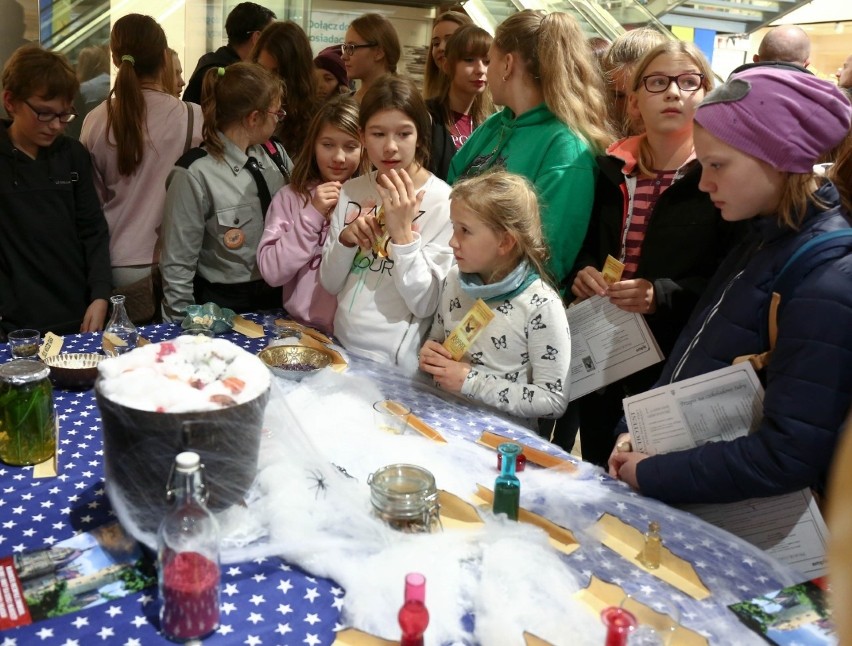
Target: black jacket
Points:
(54, 242)
(442, 149)
(684, 243)
(222, 57)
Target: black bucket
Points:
(140, 447)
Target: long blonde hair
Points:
(506, 202)
(673, 48)
(559, 60)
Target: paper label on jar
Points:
(465, 333)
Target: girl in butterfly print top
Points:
(520, 362)
(385, 301)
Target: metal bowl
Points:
(74, 369)
(294, 361)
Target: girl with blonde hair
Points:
(520, 363)
(218, 196)
(553, 125)
(617, 65)
(444, 26)
(650, 214)
(757, 138)
(135, 137)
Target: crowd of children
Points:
(398, 217)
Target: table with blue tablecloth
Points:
(270, 601)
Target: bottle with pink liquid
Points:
(188, 556)
(413, 616)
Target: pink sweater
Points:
(289, 254)
(133, 205)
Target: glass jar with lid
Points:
(27, 418)
(405, 497)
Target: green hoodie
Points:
(558, 162)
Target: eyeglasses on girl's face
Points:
(657, 83)
(348, 49)
(278, 114)
(46, 117)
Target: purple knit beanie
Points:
(784, 118)
(331, 60)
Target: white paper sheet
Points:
(719, 406)
(607, 344)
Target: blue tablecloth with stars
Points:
(268, 601)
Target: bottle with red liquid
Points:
(413, 616)
(188, 556)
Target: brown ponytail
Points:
(139, 49)
(230, 94)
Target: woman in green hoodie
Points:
(551, 128)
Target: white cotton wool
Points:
(187, 374)
(306, 510)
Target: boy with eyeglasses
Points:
(54, 243)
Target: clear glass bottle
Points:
(507, 487)
(413, 616)
(651, 554)
(120, 335)
(188, 556)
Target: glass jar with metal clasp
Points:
(27, 417)
(405, 497)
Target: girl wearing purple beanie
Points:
(757, 138)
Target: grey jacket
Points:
(206, 199)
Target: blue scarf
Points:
(513, 284)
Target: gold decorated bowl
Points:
(294, 361)
(74, 369)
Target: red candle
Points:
(619, 624)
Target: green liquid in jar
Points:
(27, 423)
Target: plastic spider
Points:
(319, 483)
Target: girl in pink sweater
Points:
(297, 222)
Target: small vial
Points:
(652, 552)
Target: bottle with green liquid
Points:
(507, 487)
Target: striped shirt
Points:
(648, 191)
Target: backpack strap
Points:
(807, 257)
(275, 154)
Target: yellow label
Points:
(612, 270)
(380, 246)
(51, 345)
(465, 333)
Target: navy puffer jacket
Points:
(808, 382)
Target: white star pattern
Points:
(38, 513)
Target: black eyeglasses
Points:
(348, 49)
(46, 117)
(657, 83)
